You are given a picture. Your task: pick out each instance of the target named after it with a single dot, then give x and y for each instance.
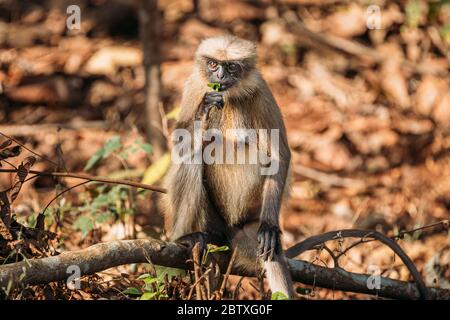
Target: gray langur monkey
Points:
(222, 203)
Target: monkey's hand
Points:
(191, 239)
(212, 100)
(269, 241)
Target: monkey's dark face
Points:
(227, 73)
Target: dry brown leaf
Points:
(173, 72)
(273, 32)
(175, 9)
(441, 112)
(374, 142)
(22, 173)
(193, 30)
(413, 126)
(101, 92)
(428, 94)
(5, 144)
(107, 60)
(413, 37)
(391, 15)
(333, 155)
(229, 11)
(309, 2)
(53, 90)
(394, 84)
(304, 85)
(347, 22)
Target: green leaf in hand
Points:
(215, 86)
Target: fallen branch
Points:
(102, 256)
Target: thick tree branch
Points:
(339, 279)
(102, 256)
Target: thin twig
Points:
(443, 223)
(62, 192)
(197, 282)
(238, 287)
(28, 149)
(197, 271)
(354, 233)
(356, 243)
(227, 273)
(6, 161)
(333, 256)
(93, 178)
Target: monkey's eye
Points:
(212, 65)
(232, 67)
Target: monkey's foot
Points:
(189, 241)
(212, 100)
(269, 241)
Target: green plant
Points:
(414, 13)
(114, 145)
(211, 248)
(104, 203)
(278, 296)
(154, 287)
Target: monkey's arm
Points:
(188, 197)
(269, 230)
(197, 100)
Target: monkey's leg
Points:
(268, 234)
(187, 202)
(277, 272)
(191, 217)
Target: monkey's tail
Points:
(279, 277)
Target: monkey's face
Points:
(227, 73)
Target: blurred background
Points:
(363, 86)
